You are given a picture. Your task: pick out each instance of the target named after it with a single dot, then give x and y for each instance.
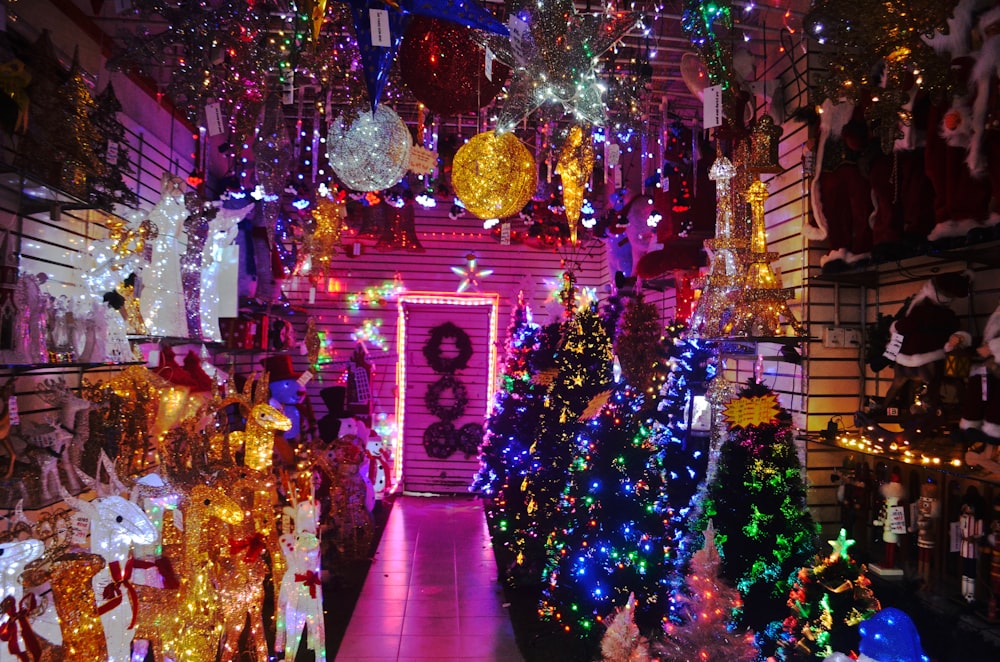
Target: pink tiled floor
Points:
(431, 593)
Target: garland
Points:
(432, 350)
(433, 398)
(439, 439)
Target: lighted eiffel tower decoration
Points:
(725, 277)
(761, 302)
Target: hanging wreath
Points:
(469, 439)
(439, 440)
(458, 394)
(432, 350)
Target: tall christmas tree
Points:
(109, 189)
(637, 343)
(757, 500)
(503, 456)
(78, 140)
(831, 596)
(707, 608)
(580, 380)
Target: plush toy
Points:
(925, 332)
(287, 392)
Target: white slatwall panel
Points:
(422, 473)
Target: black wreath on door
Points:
(432, 350)
(441, 439)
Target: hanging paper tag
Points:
(505, 233)
(79, 525)
(15, 418)
(422, 160)
(520, 39)
(712, 97)
(305, 378)
(489, 63)
(312, 295)
(380, 27)
(213, 119)
(356, 249)
(613, 153)
(954, 536)
(112, 155)
(288, 90)
(897, 519)
(893, 346)
(617, 175)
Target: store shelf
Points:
(35, 195)
(66, 365)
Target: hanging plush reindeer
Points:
(116, 524)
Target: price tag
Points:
(422, 160)
(897, 519)
(489, 63)
(613, 153)
(520, 39)
(617, 176)
(79, 529)
(893, 346)
(305, 378)
(712, 98)
(288, 90)
(213, 119)
(15, 419)
(380, 27)
(505, 233)
(113, 149)
(312, 295)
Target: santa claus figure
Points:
(923, 335)
(980, 423)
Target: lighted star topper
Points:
(378, 50)
(471, 275)
(840, 546)
(555, 51)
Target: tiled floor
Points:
(431, 594)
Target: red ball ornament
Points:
(445, 69)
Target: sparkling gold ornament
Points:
(575, 166)
(322, 242)
(494, 175)
(765, 138)
(761, 302)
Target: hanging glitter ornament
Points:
(445, 68)
(728, 254)
(328, 215)
(575, 166)
(372, 152)
(764, 141)
(494, 175)
(762, 301)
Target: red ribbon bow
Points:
(310, 579)
(17, 626)
(254, 546)
(120, 576)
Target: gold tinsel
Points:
(322, 242)
(494, 175)
(576, 164)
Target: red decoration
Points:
(445, 68)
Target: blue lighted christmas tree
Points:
(510, 431)
(757, 501)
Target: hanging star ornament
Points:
(840, 546)
(471, 275)
(555, 52)
(379, 34)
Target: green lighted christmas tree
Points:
(706, 610)
(510, 431)
(757, 500)
(828, 600)
(78, 141)
(637, 344)
(578, 386)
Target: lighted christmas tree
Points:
(830, 598)
(580, 380)
(707, 608)
(612, 541)
(109, 189)
(622, 642)
(757, 500)
(637, 343)
(77, 143)
(503, 456)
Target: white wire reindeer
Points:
(14, 609)
(300, 599)
(116, 524)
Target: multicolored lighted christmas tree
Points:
(637, 344)
(577, 386)
(831, 596)
(504, 457)
(612, 543)
(757, 500)
(707, 606)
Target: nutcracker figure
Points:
(928, 514)
(970, 526)
(893, 495)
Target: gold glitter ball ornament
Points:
(494, 175)
(370, 153)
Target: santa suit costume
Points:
(980, 420)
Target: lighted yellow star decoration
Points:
(840, 546)
(471, 274)
(758, 410)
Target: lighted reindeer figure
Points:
(73, 418)
(116, 524)
(197, 635)
(263, 420)
(300, 599)
(15, 628)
